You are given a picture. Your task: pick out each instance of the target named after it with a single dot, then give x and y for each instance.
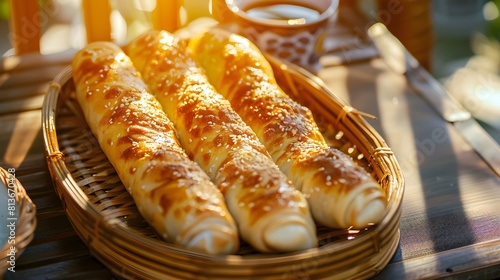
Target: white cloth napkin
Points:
(479, 92)
(477, 84)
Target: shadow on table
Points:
(434, 218)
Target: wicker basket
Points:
(23, 221)
(105, 216)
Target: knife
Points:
(402, 62)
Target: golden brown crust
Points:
(334, 185)
(259, 196)
(172, 193)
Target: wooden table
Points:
(450, 226)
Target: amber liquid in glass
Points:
(283, 12)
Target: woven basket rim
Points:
(378, 154)
(25, 224)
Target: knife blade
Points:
(399, 60)
(402, 62)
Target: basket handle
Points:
(96, 17)
(97, 13)
(26, 27)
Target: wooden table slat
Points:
(77, 267)
(24, 91)
(31, 61)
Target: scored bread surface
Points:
(340, 193)
(271, 214)
(171, 192)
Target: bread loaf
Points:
(271, 214)
(171, 192)
(340, 193)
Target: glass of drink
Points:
(292, 30)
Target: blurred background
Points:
(465, 39)
(462, 28)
